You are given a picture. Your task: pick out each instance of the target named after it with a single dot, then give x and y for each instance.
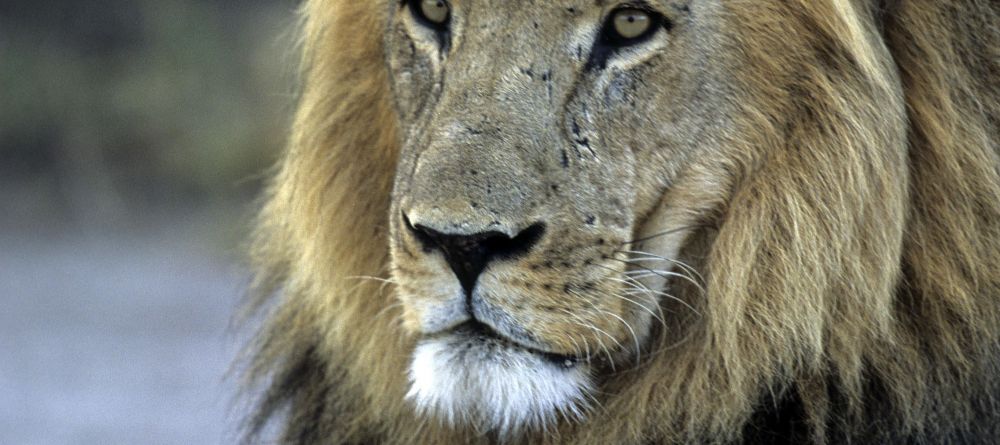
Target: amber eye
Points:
(625, 27)
(435, 11)
(631, 23)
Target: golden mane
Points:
(882, 316)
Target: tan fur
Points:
(847, 226)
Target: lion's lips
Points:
(475, 329)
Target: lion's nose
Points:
(469, 254)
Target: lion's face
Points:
(529, 239)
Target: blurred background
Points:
(134, 137)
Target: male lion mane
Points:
(840, 308)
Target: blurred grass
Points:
(116, 112)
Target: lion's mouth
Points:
(485, 335)
(472, 373)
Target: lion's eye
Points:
(629, 26)
(625, 27)
(435, 12)
(631, 23)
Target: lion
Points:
(635, 222)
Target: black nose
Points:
(468, 255)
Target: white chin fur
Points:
(494, 387)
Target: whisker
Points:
(369, 277)
(586, 344)
(594, 403)
(638, 348)
(576, 347)
(386, 310)
(663, 349)
(583, 323)
(665, 274)
(688, 271)
(646, 272)
(633, 286)
(635, 338)
(645, 289)
(385, 281)
(671, 297)
(682, 264)
(665, 233)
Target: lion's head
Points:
(537, 146)
(619, 221)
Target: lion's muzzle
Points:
(469, 253)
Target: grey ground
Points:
(116, 339)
